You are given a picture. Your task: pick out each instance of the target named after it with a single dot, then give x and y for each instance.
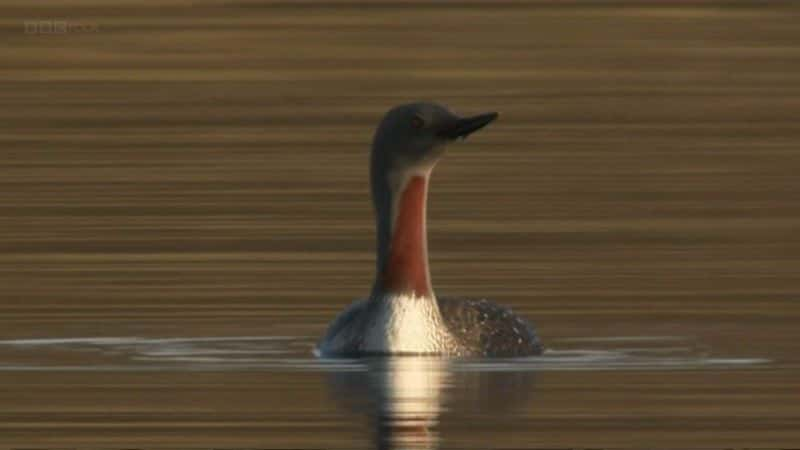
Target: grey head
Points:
(414, 136)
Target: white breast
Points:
(406, 324)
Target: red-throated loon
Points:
(402, 315)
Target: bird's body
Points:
(448, 326)
(402, 315)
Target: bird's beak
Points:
(464, 127)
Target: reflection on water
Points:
(403, 398)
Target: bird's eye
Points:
(417, 123)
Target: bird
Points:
(402, 315)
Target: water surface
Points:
(404, 402)
(184, 207)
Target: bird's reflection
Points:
(405, 397)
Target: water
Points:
(271, 392)
(287, 353)
(183, 209)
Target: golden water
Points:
(197, 170)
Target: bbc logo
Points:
(58, 27)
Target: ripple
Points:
(294, 353)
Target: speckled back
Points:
(486, 329)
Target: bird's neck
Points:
(402, 266)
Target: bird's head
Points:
(412, 137)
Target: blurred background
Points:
(199, 168)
